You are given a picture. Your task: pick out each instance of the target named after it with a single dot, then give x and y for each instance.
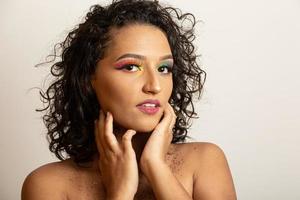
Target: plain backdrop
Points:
(250, 106)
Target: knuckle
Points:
(125, 137)
(118, 155)
(114, 156)
(106, 136)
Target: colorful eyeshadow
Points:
(124, 62)
(167, 63)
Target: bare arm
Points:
(153, 162)
(42, 184)
(212, 177)
(56, 181)
(164, 183)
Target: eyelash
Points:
(163, 66)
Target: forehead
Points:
(138, 38)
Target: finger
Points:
(101, 128)
(110, 138)
(171, 108)
(174, 116)
(165, 122)
(126, 139)
(97, 137)
(101, 137)
(172, 123)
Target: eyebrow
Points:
(131, 55)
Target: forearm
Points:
(164, 184)
(120, 195)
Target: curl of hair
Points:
(72, 105)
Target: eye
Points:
(165, 69)
(131, 67)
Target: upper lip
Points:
(152, 101)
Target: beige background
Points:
(250, 108)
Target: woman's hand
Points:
(117, 161)
(157, 146)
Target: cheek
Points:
(114, 93)
(120, 96)
(168, 88)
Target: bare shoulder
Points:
(198, 152)
(212, 177)
(48, 181)
(205, 151)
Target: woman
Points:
(118, 111)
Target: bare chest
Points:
(95, 191)
(90, 187)
(145, 191)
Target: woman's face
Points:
(136, 67)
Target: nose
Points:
(152, 82)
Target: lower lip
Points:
(148, 110)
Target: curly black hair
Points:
(72, 104)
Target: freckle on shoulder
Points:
(206, 155)
(195, 152)
(200, 150)
(203, 146)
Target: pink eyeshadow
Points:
(124, 62)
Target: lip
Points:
(149, 110)
(152, 101)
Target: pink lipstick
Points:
(149, 106)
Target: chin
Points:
(142, 126)
(139, 123)
(146, 125)
(138, 126)
(145, 129)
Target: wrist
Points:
(149, 166)
(121, 197)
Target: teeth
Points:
(149, 105)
